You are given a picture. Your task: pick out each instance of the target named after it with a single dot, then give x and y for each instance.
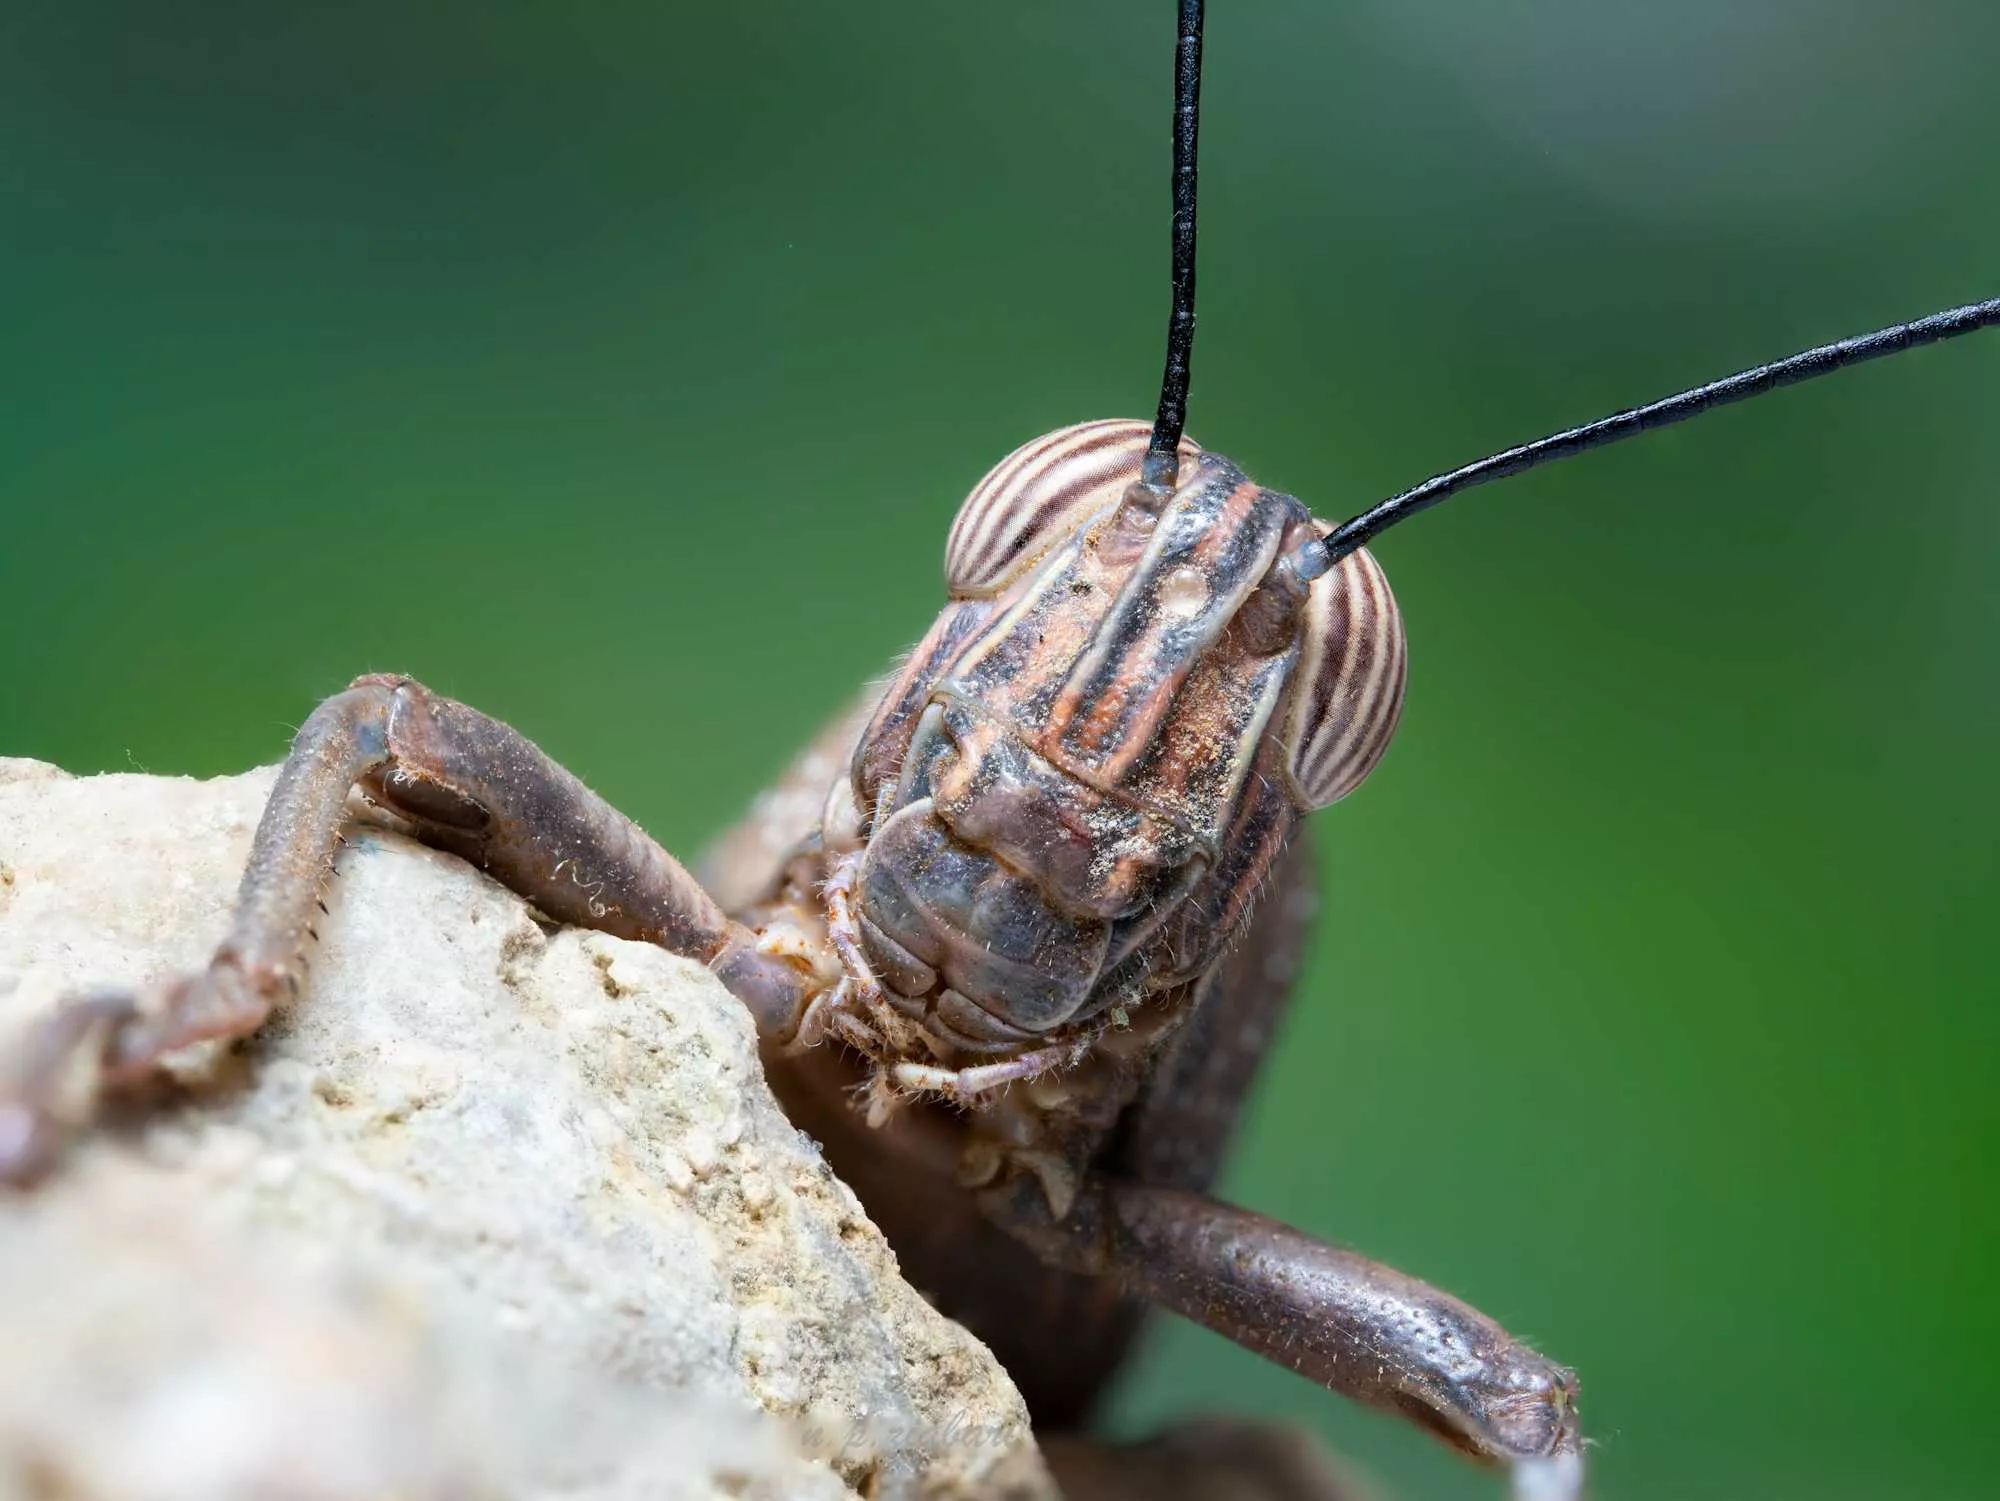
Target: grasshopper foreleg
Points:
(464, 782)
(1349, 1323)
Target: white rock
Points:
(493, 1211)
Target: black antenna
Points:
(1317, 558)
(1161, 470)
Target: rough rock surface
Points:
(494, 1211)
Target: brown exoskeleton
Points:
(1034, 904)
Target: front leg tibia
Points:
(479, 788)
(1344, 1321)
(463, 781)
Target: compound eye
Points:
(1349, 690)
(1037, 497)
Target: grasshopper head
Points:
(1066, 757)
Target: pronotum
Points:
(1302, 570)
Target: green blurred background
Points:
(618, 367)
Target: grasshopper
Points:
(1015, 930)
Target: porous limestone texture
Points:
(494, 1210)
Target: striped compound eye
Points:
(1350, 681)
(1034, 500)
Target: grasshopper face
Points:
(1085, 767)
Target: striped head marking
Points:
(1149, 654)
